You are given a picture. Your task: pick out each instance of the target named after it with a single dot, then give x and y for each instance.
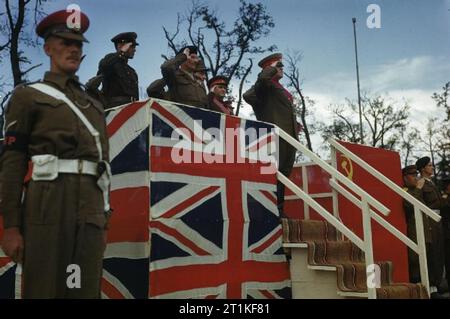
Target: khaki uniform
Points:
(157, 90)
(62, 221)
(183, 88)
(270, 104)
(120, 81)
(435, 242)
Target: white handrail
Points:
(333, 172)
(394, 231)
(385, 180)
(321, 211)
(419, 207)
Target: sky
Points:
(406, 58)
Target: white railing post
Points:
(306, 190)
(334, 192)
(422, 249)
(368, 251)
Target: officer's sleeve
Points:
(108, 63)
(169, 68)
(14, 159)
(250, 96)
(264, 81)
(156, 88)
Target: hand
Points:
(420, 183)
(187, 52)
(12, 244)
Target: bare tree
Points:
(442, 99)
(231, 46)
(383, 122)
(17, 21)
(16, 17)
(408, 143)
(300, 102)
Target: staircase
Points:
(324, 266)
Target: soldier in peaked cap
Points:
(120, 80)
(433, 230)
(411, 186)
(178, 73)
(272, 103)
(61, 221)
(217, 90)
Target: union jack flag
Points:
(200, 229)
(215, 230)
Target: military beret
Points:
(192, 49)
(411, 169)
(61, 24)
(125, 37)
(217, 80)
(268, 60)
(422, 162)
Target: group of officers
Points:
(418, 183)
(55, 224)
(62, 215)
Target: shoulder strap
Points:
(51, 91)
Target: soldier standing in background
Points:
(217, 90)
(120, 81)
(414, 188)
(435, 245)
(178, 73)
(62, 219)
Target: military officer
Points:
(178, 73)
(414, 188)
(435, 243)
(58, 229)
(120, 80)
(217, 90)
(273, 103)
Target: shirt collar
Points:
(59, 79)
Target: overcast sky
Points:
(408, 57)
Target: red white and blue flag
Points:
(215, 230)
(207, 227)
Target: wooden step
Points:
(335, 264)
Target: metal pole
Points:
(357, 81)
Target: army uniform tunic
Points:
(433, 231)
(273, 105)
(183, 87)
(62, 221)
(120, 81)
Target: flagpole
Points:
(357, 81)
